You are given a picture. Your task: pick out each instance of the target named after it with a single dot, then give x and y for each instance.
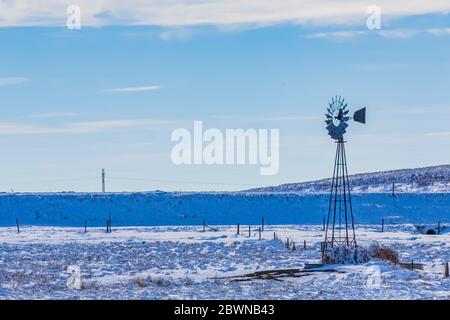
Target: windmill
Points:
(340, 228)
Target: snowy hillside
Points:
(420, 180)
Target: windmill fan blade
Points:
(328, 122)
(328, 116)
(346, 112)
(360, 116)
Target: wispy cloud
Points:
(387, 66)
(285, 118)
(439, 31)
(133, 89)
(388, 33)
(270, 118)
(439, 134)
(14, 128)
(10, 81)
(54, 115)
(398, 33)
(178, 34)
(419, 111)
(336, 35)
(177, 13)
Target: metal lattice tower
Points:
(340, 228)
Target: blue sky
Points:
(76, 101)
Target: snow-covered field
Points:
(185, 263)
(217, 208)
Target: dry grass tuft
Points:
(385, 254)
(139, 282)
(161, 282)
(90, 285)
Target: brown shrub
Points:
(140, 282)
(161, 282)
(385, 254)
(90, 285)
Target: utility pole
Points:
(103, 180)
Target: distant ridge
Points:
(419, 180)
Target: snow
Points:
(420, 180)
(176, 262)
(157, 249)
(180, 209)
(421, 197)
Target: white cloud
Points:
(179, 34)
(268, 118)
(439, 31)
(208, 12)
(54, 115)
(286, 118)
(392, 33)
(398, 33)
(337, 35)
(439, 134)
(420, 111)
(10, 81)
(14, 128)
(133, 89)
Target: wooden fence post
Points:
(238, 228)
(249, 231)
(259, 233)
(382, 225)
(304, 244)
(446, 272)
(262, 223)
(17, 223)
(323, 229)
